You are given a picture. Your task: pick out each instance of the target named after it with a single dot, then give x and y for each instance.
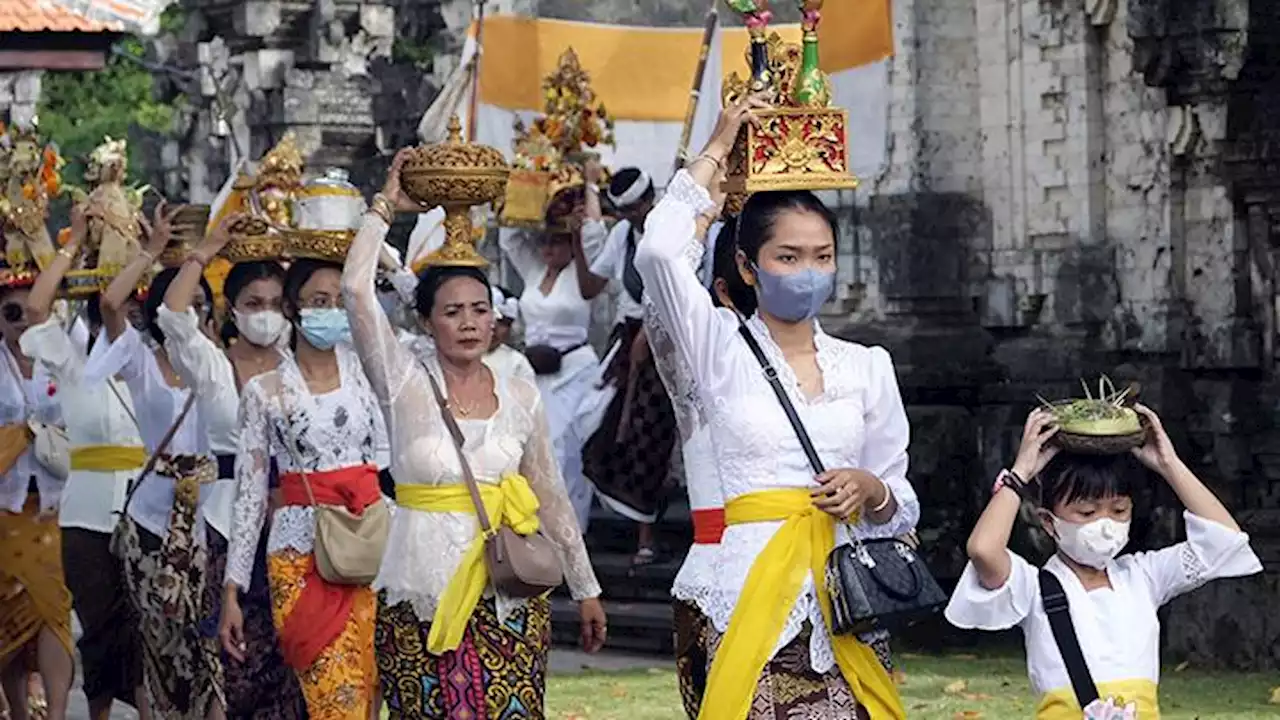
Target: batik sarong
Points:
(262, 687)
(692, 638)
(166, 580)
(340, 683)
(498, 672)
(33, 594)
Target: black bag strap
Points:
(771, 374)
(1058, 611)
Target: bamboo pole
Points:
(686, 133)
(475, 73)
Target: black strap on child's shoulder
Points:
(1058, 610)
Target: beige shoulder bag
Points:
(519, 565)
(348, 547)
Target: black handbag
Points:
(872, 584)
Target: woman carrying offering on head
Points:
(161, 536)
(442, 625)
(317, 419)
(772, 654)
(258, 683)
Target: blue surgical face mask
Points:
(325, 327)
(796, 296)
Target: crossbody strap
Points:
(771, 374)
(458, 442)
(1058, 610)
(160, 449)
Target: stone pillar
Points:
(19, 96)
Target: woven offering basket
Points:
(1100, 444)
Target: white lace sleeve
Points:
(884, 449)
(1211, 551)
(680, 303)
(386, 362)
(253, 463)
(560, 523)
(49, 346)
(973, 607)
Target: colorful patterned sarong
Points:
(341, 682)
(497, 673)
(33, 595)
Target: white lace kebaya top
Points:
(1118, 627)
(702, 478)
(157, 405)
(424, 548)
(23, 400)
(280, 418)
(857, 422)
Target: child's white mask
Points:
(1093, 543)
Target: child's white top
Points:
(1117, 627)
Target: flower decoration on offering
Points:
(278, 179)
(456, 176)
(1104, 424)
(573, 121)
(801, 142)
(29, 178)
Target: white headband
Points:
(634, 193)
(506, 308)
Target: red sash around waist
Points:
(708, 526)
(322, 609)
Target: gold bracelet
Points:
(708, 157)
(383, 207)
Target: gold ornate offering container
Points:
(801, 143)
(456, 176)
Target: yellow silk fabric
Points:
(1061, 704)
(511, 503)
(798, 548)
(107, 458)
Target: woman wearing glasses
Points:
(161, 537)
(317, 418)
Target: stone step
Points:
(610, 532)
(640, 627)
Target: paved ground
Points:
(563, 662)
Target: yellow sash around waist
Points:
(1061, 704)
(510, 503)
(107, 458)
(798, 548)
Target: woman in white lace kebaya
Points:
(316, 417)
(557, 320)
(162, 534)
(772, 654)
(448, 644)
(259, 684)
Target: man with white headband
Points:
(629, 423)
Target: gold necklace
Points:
(463, 410)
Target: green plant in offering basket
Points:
(1101, 425)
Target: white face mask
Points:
(264, 329)
(1093, 543)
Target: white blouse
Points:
(424, 548)
(280, 418)
(1118, 628)
(702, 478)
(205, 367)
(506, 360)
(612, 263)
(157, 405)
(98, 414)
(23, 400)
(562, 317)
(857, 422)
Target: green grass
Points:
(936, 688)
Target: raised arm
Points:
(125, 284)
(592, 275)
(45, 291)
(988, 543)
(178, 297)
(196, 358)
(386, 362)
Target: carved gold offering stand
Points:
(456, 176)
(29, 179)
(113, 234)
(801, 142)
(573, 120)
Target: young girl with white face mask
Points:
(1086, 506)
